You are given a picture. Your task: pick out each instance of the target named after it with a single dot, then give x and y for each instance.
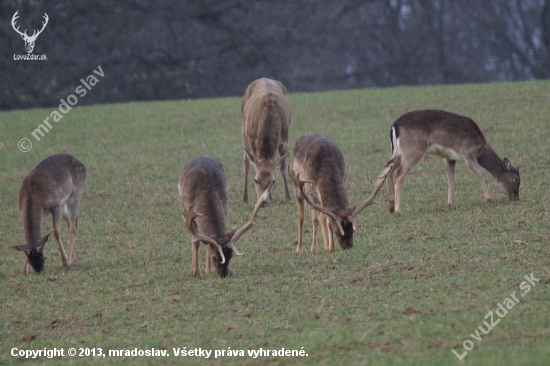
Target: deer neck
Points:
(336, 199)
(213, 227)
(32, 219)
(491, 162)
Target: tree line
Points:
(158, 50)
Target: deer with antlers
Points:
(53, 187)
(454, 138)
(29, 40)
(318, 170)
(266, 118)
(203, 191)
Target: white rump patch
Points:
(394, 143)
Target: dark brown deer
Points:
(319, 165)
(454, 138)
(266, 118)
(203, 191)
(53, 187)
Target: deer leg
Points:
(283, 149)
(208, 268)
(478, 171)
(315, 222)
(300, 204)
(324, 230)
(450, 169)
(330, 237)
(246, 163)
(25, 271)
(401, 172)
(195, 270)
(391, 191)
(69, 214)
(56, 218)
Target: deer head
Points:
(35, 254)
(509, 180)
(221, 250)
(29, 40)
(265, 169)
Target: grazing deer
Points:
(53, 187)
(266, 118)
(203, 190)
(29, 40)
(454, 138)
(319, 164)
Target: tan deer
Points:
(53, 187)
(266, 119)
(319, 165)
(454, 138)
(203, 191)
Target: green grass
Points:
(414, 286)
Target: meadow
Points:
(415, 286)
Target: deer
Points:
(29, 41)
(266, 119)
(454, 138)
(53, 187)
(318, 163)
(203, 191)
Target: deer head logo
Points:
(29, 41)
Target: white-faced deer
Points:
(319, 165)
(266, 118)
(454, 138)
(203, 191)
(29, 41)
(53, 187)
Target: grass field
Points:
(414, 287)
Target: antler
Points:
(43, 26)
(189, 218)
(13, 19)
(388, 167)
(300, 183)
(250, 223)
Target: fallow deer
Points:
(454, 138)
(266, 119)
(319, 164)
(53, 187)
(203, 191)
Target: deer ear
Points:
(282, 158)
(44, 241)
(506, 163)
(253, 160)
(21, 248)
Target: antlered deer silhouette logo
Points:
(29, 41)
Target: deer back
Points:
(321, 162)
(203, 189)
(424, 128)
(48, 186)
(266, 117)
